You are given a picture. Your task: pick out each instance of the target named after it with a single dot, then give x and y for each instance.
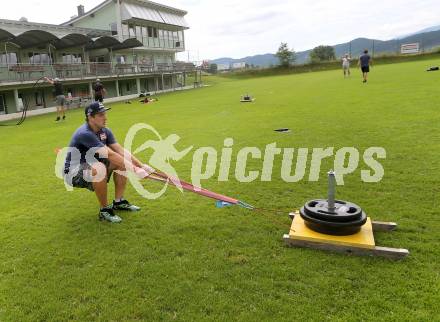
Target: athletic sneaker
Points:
(124, 205)
(64, 117)
(108, 214)
(58, 118)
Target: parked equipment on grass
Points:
(340, 226)
(247, 99)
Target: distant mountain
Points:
(427, 39)
(435, 28)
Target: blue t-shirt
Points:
(365, 60)
(84, 138)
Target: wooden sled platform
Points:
(361, 243)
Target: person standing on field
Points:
(59, 94)
(365, 62)
(99, 91)
(346, 65)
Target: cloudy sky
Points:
(231, 28)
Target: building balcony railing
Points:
(31, 72)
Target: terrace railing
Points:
(31, 72)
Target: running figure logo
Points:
(164, 151)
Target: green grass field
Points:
(183, 259)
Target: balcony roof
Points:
(113, 43)
(128, 43)
(137, 11)
(72, 40)
(27, 35)
(17, 27)
(142, 3)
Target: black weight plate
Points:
(333, 228)
(344, 231)
(358, 222)
(344, 211)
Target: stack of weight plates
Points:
(346, 219)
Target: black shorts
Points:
(99, 98)
(80, 176)
(366, 69)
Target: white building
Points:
(240, 65)
(223, 67)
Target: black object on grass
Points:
(285, 130)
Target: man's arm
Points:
(47, 79)
(114, 158)
(118, 149)
(119, 161)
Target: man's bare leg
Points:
(120, 202)
(100, 187)
(120, 184)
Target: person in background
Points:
(60, 98)
(346, 65)
(365, 62)
(99, 91)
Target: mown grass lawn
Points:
(183, 259)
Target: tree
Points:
(285, 55)
(213, 68)
(322, 53)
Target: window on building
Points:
(145, 60)
(150, 31)
(170, 39)
(125, 29)
(131, 31)
(114, 28)
(128, 87)
(154, 32)
(38, 99)
(9, 58)
(40, 58)
(2, 104)
(144, 35)
(139, 33)
(72, 58)
(176, 42)
(121, 59)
